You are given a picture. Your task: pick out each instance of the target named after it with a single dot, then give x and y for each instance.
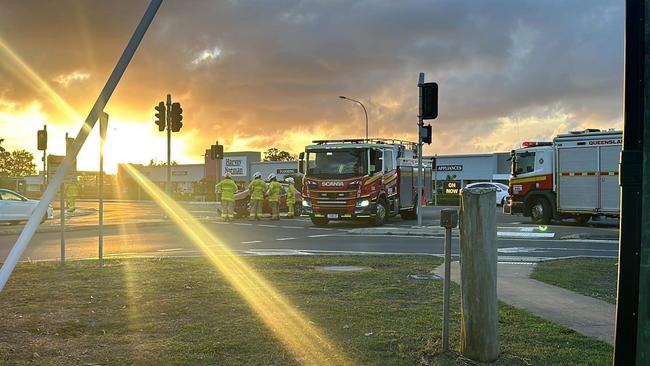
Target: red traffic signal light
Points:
(41, 137)
(161, 116)
(176, 116)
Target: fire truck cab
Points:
(361, 179)
(574, 176)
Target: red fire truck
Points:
(361, 179)
(574, 176)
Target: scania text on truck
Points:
(574, 176)
(361, 179)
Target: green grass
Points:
(595, 277)
(181, 311)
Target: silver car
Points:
(15, 207)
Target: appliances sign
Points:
(235, 165)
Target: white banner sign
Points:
(235, 165)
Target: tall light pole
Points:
(362, 106)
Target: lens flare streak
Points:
(303, 339)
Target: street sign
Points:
(236, 165)
(451, 187)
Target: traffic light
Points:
(434, 163)
(160, 116)
(216, 152)
(41, 137)
(426, 134)
(429, 100)
(176, 117)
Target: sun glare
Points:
(308, 344)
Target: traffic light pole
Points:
(418, 203)
(168, 185)
(632, 338)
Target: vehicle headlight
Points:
(305, 203)
(363, 203)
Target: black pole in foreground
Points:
(630, 345)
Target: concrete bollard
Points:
(478, 275)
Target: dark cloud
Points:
(283, 64)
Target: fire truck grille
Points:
(334, 195)
(328, 203)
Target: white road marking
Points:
(276, 252)
(529, 229)
(251, 242)
(292, 227)
(170, 250)
(266, 225)
(520, 234)
(319, 228)
(242, 224)
(283, 239)
(604, 241)
(319, 235)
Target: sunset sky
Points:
(261, 74)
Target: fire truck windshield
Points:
(337, 163)
(524, 162)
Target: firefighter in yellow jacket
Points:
(71, 194)
(256, 189)
(291, 197)
(274, 196)
(227, 187)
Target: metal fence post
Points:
(448, 220)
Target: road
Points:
(136, 229)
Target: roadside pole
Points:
(632, 336)
(45, 160)
(62, 207)
(448, 220)
(479, 313)
(418, 202)
(168, 185)
(103, 126)
(435, 181)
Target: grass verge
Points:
(595, 277)
(181, 311)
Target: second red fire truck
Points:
(574, 176)
(361, 179)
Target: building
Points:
(282, 169)
(187, 181)
(470, 168)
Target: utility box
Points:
(448, 218)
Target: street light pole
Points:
(362, 106)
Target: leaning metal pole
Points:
(34, 220)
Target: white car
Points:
(502, 190)
(15, 208)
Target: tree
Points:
(18, 164)
(274, 154)
(154, 162)
(4, 159)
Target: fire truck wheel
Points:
(381, 213)
(540, 211)
(319, 221)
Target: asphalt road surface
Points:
(135, 229)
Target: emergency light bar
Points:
(535, 143)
